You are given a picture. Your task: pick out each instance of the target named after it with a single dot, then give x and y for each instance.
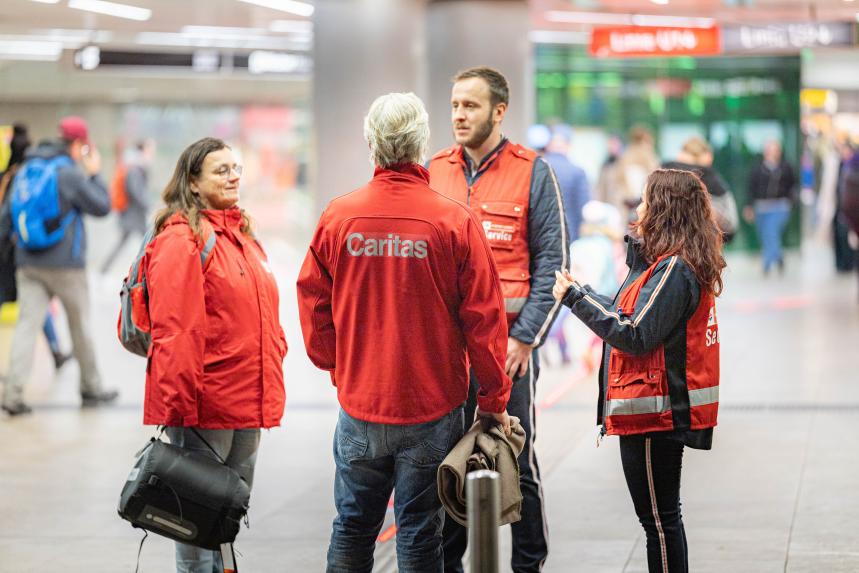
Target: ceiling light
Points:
(29, 50)
(588, 17)
(112, 9)
(291, 6)
(46, 1)
(660, 2)
(262, 62)
(675, 21)
(556, 37)
(247, 42)
(291, 26)
(220, 31)
(615, 19)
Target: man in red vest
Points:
(516, 198)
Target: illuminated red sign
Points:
(633, 41)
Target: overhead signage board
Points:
(786, 37)
(638, 41)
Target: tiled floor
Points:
(777, 493)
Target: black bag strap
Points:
(161, 429)
(208, 445)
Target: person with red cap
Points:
(57, 185)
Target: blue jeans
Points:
(374, 459)
(770, 220)
(239, 449)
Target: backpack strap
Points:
(207, 248)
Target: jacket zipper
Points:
(468, 196)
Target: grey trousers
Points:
(239, 449)
(36, 287)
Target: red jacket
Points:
(217, 345)
(397, 292)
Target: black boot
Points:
(60, 359)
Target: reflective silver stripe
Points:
(513, 305)
(704, 396)
(646, 405)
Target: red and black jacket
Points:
(660, 370)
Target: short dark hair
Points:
(499, 92)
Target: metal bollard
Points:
(483, 501)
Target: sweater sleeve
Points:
(177, 310)
(481, 314)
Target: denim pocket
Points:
(350, 439)
(427, 444)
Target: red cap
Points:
(73, 128)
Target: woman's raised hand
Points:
(563, 281)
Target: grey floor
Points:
(778, 492)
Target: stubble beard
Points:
(482, 133)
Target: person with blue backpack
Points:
(55, 187)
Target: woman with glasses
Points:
(215, 375)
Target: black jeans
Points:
(530, 544)
(652, 470)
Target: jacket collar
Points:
(634, 257)
(223, 219)
(399, 170)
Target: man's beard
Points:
(481, 133)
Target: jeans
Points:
(652, 469)
(530, 534)
(239, 449)
(374, 459)
(771, 218)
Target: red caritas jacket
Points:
(217, 345)
(397, 292)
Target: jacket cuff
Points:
(492, 405)
(575, 293)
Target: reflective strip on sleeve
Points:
(646, 405)
(514, 305)
(704, 396)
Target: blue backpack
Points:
(36, 213)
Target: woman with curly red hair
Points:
(659, 379)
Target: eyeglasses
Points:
(224, 171)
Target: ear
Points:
(499, 111)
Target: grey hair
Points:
(397, 129)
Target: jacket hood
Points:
(47, 149)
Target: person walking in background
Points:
(398, 294)
(8, 289)
(215, 362)
(771, 194)
(659, 379)
(626, 177)
(130, 196)
(696, 155)
(572, 179)
(57, 185)
(849, 200)
(517, 200)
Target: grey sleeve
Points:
(87, 194)
(547, 240)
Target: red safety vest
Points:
(637, 398)
(499, 198)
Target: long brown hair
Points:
(679, 220)
(178, 196)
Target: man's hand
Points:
(503, 420)
(91, 160)
(563, 282)
(749, 214)
(518, 356)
